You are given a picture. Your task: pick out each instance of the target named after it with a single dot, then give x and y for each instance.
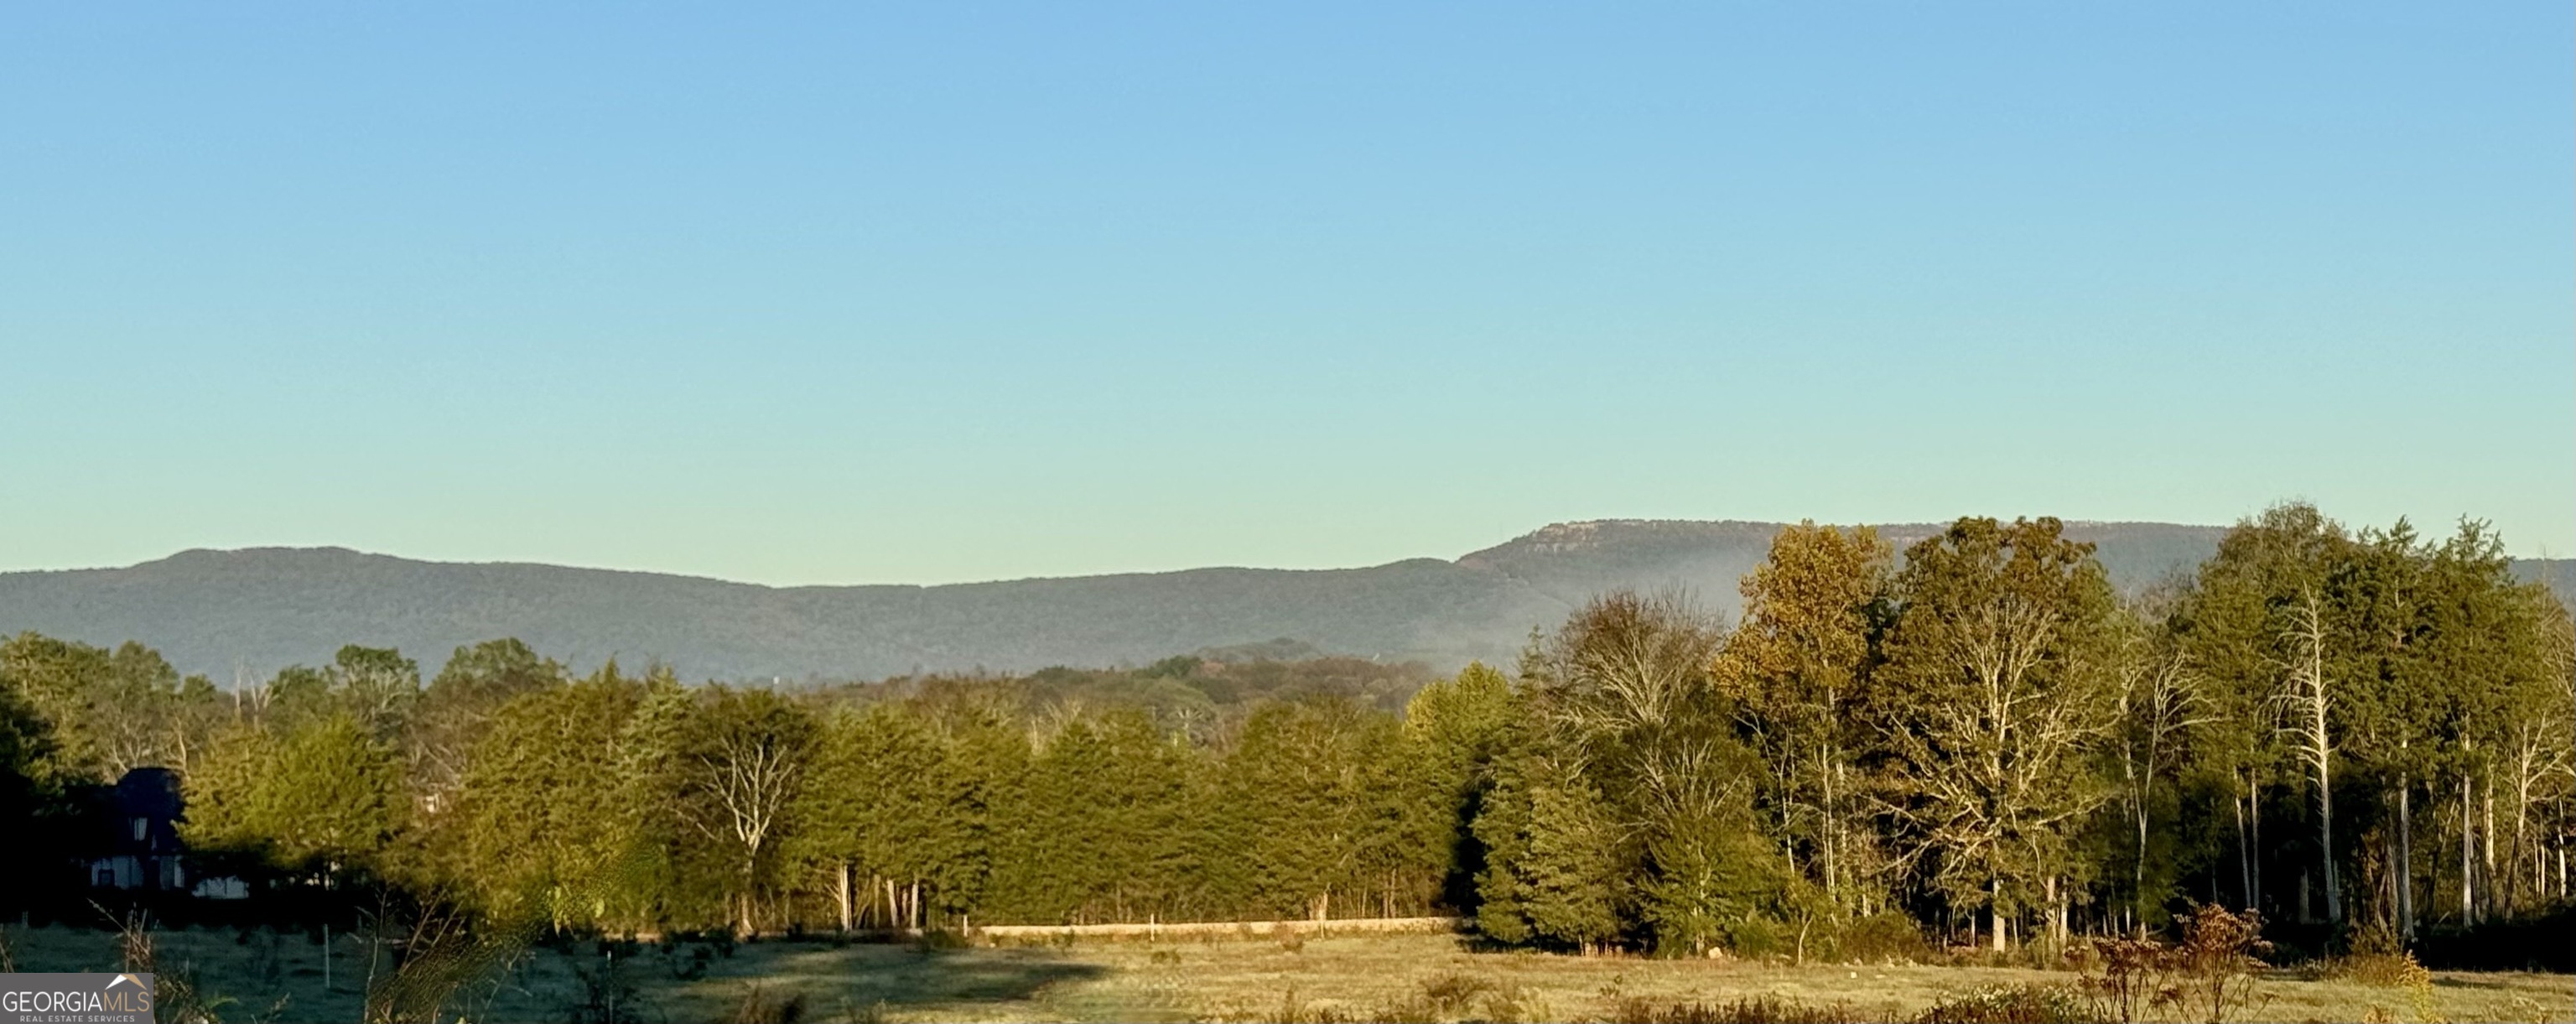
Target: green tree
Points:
(1455, 729)
(1554, 875)
(112, 710)
(1101, 831)
(739, 767)
(1625, 687)
(295, 695)
(458, 706)
(2163, 710)
(30, 794)
(377, 686)
(868, 807)
(2473, 674)
(909, 807)
(227, 793)
(536, 833)
(1297, 800)
(2537, 752)
(2253, 626)
(1994, 694)
(1796, 669)
(323, 799)
(1630, 774)
(337, 798)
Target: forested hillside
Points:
(248, 613)
(212, 611)
(2368, 736)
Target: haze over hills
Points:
(247, 613)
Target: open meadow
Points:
(260, 975)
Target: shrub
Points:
(2214, 965)
(2380, 970)
(933, 940)
(1513, 1004)
(1452, 993)
(1757, 937)
(2208, 976)
(2017, 1004)
(2379, 961)
(1884, 937)
(2126, 976)
(1752, 1010)
(688, 961)
(758, 1007)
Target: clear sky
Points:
(953, 291)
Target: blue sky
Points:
(844, 293)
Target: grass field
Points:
(262, 975)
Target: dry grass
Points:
(1260, 977)
(1361, 976)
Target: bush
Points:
(2126, 976)
(2215, 964)
(1753, 1010)
(2209, 976)
(2377, 960)
(1884, 937)
(1512, 1004)
(758, 1007)
(2379, 970)
(688, 961)
(2017, 1004)
(1755, 938)
(934, 940)
(1452, 993)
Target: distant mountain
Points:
(1572, 561)
(253, 611)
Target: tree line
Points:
(2363, 735)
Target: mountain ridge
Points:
(243, 613)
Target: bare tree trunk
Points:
(2325, 835)
(2254, 815)
(2057, 912)
(2525, 776)
(2138, 871)
(2314, 741)
(2405, 863)
(2486, 832)
(1831, 832)
(841, 890)
(2244, 856)
(2325, 831)
(2468, 862)
(1995, 911)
